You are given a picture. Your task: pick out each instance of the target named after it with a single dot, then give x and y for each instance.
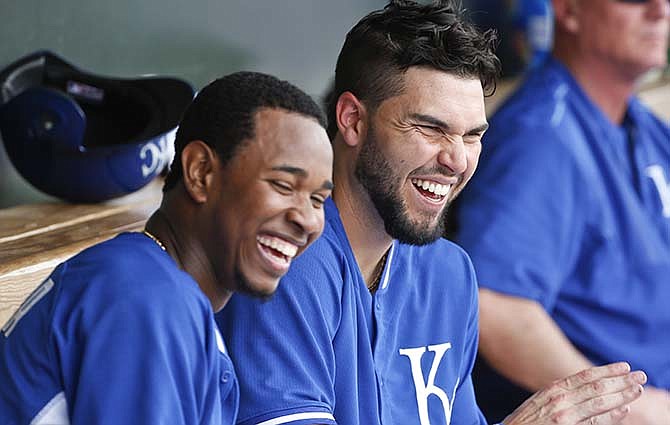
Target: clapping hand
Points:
(599, 395)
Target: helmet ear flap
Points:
(41, 117)
(39, 127)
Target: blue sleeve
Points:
(28, 380)
(130, 355)
(519, 217)
(282, 348)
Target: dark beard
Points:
(375, 174)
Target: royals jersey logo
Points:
(424, 389)
(656, 173)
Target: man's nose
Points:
(452, 156)
(306, 217)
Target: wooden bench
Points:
(35, 238)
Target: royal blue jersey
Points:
(116, 335)
(573, 211)
(324, 350)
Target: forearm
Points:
(523, 343)
(653, 408)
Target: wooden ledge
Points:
(35, 238)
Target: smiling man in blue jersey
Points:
(124, 332)
(377, 322)
(568, 217)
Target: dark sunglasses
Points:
(634, 1)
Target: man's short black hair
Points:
(222, 114)
(385, 43)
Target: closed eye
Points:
(473, 138)
(282, 186)
(430, 128)
(431, 131)
(318, 201)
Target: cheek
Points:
(620, 36)
(473, 158)
(413, 144)
(321, 223)
(260, 202)
(599, 37)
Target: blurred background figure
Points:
(567, 218)
(525, 28)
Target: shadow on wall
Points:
(202, 60)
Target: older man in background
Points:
(568, 217)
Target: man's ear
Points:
(565, 13)
(199, 163)
(351, 116)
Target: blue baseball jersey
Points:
(324, 350)
(116, 335)
(573, 211)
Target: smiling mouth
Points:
(435, 192)
(277, 250)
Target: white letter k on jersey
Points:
(423, 389)
(658, 176)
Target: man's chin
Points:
(261, 288)
(416, 235)
(422, 231)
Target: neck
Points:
(606, 85)
(187, 251)
(362, 223)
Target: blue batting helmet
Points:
(83, 137)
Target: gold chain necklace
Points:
(155, 239)
(379, 269)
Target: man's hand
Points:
(599, 395)
(652, 408)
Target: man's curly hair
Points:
(222, 114)
(385, 43)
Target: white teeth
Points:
(286, 248)
(432, 187)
